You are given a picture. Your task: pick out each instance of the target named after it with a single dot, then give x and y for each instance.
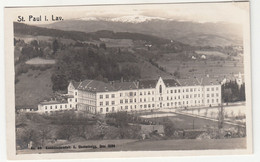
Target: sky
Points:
(196, 12)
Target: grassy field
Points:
(187, 122)
(151, 145)
(40, 61)
(200, 67)
(33, 87)
(117, 42)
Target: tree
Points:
(169, 128)
(221, 116)
(55, 46)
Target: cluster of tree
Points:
(88, 63)
(231, 92)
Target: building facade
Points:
(99, 97)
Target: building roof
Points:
(95, 86)
(125, 85)
(147, 84)
(75, 84)
(171, 83)
(99, 86)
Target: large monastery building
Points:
(99, 97)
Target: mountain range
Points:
(192, 33)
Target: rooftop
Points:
(100, 86)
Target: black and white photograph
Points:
(130, 78)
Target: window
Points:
(101, 110)
(70, 100)
(195, 95)
(60, 106)
(131, 100)
(107, 102)
(107, 96)
(140, 99)
(191, 90)
(207, 95)
(135, 99)
(172, 91)
(113, 96)
(149, 93)
(113, 109)
(152, 99)
(113, 102)
(126, 107)
(126, 100)
(101, 103)
(168, 104)
(216, 88)
(45, 107)
(76, 100)
(179, 91)
(76, 93)
(175, 91)
(145, 106)
(51, 107)
(141, 106)
(131, 94)
(217, 94)
(144, 99)
(187, 90)
(121, 94)
(141, 94)
(56, 107)
(208, 100)
(107, 109)
(144, 93)
(212, 88)
(134, 93)
(101, 96)
(207, 89)
(212, 95)
(70, 106)
(149, 105)
(121, 101)
(187, 96)
(217, 100)
(65, 106)
(160, 89)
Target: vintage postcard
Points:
(138, 80)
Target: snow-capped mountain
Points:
(193, 33)
(135, 19)
(124, 19)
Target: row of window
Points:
(107, 109)
(212, 89)
(107, 103)
(212, 95)
(152, 92)
(56, 107)
(106, 96)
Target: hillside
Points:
(24, 29)
(32, 88)
(186, 32)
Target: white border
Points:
(255, 76)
